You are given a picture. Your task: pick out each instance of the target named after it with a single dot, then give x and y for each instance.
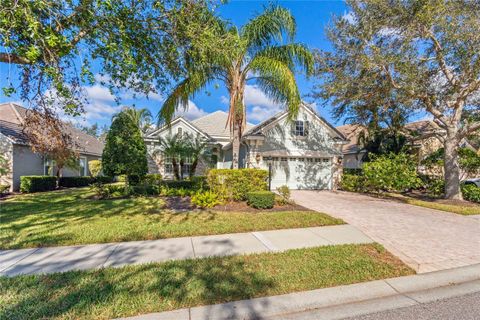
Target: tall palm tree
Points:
(141, 117)
(257, 55)
(196, 150)
(174, 147)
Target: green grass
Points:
(454, 208)
(70, 217)
(110, 293)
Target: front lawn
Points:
(69, 217)
(460, 207)
(110, 293)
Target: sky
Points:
(311, 16)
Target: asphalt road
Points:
(465, 307)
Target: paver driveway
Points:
(425, 239)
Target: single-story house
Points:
(303, 154)
(22, 161)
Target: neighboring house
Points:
(304, 153)
(23, 161)
(352, 152)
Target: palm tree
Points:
(196, 150)
(256, 55)
(141, 117)
(175, 148)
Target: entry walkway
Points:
(60, 259)
(425, 239)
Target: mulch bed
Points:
(178, 203)
(242, 206)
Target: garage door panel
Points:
(302, 173)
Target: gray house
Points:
(305, 153)
(22, 161)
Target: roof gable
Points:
(155, 133)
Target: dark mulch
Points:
(178, 203)
(242, 206)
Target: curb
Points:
(335, 302)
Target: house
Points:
(303, 154)
(352, 152)
(22, 161)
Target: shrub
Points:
(353, 171)
(177, 184)
(200, 182)
(152, 179)
(144, 190)
(392, 172)
(205, 199)
(95, 167)
(4, 188)
(72, 182)
(284, 192)
(352, 183)
(261, 199)
(37, 183)
(108, 191)
(471, 193)
(102, 179)
(234, 184)
(175, 192)
(121, 178)
(434, 187)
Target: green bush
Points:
(353, 171)
(4, 188)
(434, 187)
(152, 179)
(471, 192)
(103, 179)
(121, 178)
(261, 199)
(144, 190)
(205, 199)
(73, 182)
(392, 172)
(234, 184)
(30, 184)
(284, 192)
(175, 192)
(352, 182)
(177, 184)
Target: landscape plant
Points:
(471, 193)
(205, 199)
(95, 167)
(284, 192)
(261, 199)
(234, 184)
(251, 54)
(30, 184)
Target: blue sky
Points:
(312, 17)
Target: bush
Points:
(284, 192)
(352, 183)
(205, 199)
(121, 178)
(144, 190)
(102, 179)
(4, 188)
(434, 187)
(234, 184)
(179, 184)
(73, 182)
(30, 184)
(200, 182)
(152, 179)
(175, 192)
(261, 199)
(471, 192)
(95, 167)
(392, 172)
(352, 171)
(108, 191)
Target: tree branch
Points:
(468, 129)
(441, 59)
(13, 58)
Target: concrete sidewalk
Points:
(60, 259)
(339, 302)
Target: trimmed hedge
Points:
(234, 184)
(74, 182)
(471, 193)
(261, 199)
(152, 178)
(179, 184)
(30, 184)
(4, 188)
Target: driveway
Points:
(425, 239)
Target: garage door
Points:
(302, 173)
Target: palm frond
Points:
(291, 54)
(278, 82)
(271, 25)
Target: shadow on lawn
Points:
(110, 293)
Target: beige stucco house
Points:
(22, 161)
(304, 153)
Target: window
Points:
(179, 132)
(48, 167)
(326, 160)
(309, 159)
(301, 128)
(82, 163)
(168, 167)
(187, 165)
(283, 159)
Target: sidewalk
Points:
(339, 302)
(60, 259)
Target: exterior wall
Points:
(353, 160)
(25, 163)
(6, 149)
(69, 172)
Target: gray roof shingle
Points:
(215, 124)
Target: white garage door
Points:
(302, 173)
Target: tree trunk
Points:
(193, 168)
(176, 176)
(451, 165)
(235, 147)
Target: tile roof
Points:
(215, 124)
(11, 119)
(351, 132)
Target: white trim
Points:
(154, 134)
(85, 168)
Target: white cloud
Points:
(99, 93)
(255, 96)
(261, 113)
(224, 100)
(192, 112)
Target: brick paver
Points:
(425, 239)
